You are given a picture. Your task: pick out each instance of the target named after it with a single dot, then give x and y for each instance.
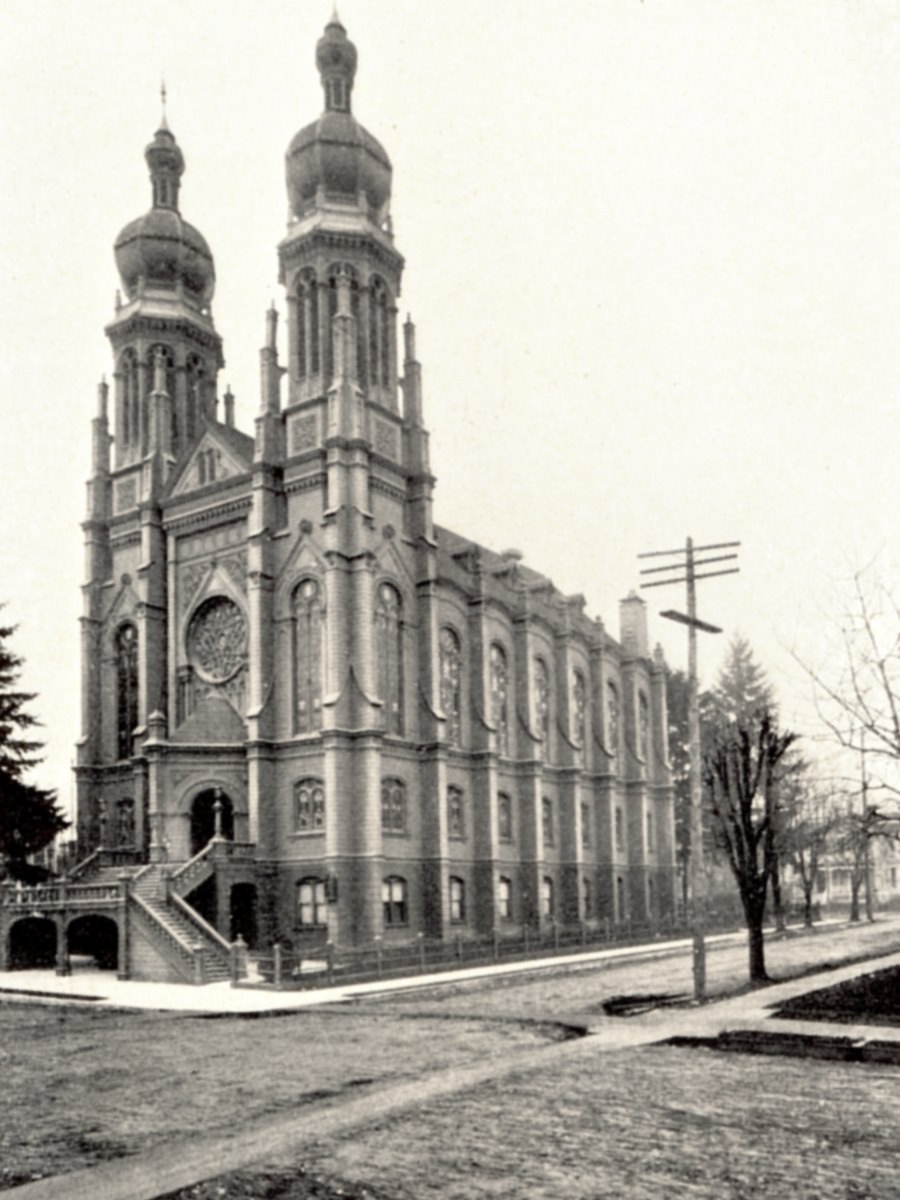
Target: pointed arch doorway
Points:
(211, 813)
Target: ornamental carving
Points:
(191, 578)
(217, 639)
(236, 566)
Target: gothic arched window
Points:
(131, 417)
(542, 705)
(393, 806)
(379, 334)
(643, 726)
(612, 717)
(309, 805)
(307, 618)
(195, 377)
(451, 670)
(126, 688)
(499, 678)
(389, 647)
(307, 325)
(579, 713)
(168, 359)
(548, 825)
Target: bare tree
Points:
(858, 692)
(811, 820)
(740, 768)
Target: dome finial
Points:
(336, 60)
(164, 124)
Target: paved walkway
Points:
(180, 1164)
(102, 987)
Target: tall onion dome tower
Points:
(164, 325)
(339, 240)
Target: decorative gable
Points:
(211, 461)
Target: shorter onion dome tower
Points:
(167, 352)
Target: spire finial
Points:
(162, 95)
(335, 17)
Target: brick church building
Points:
(310, 712)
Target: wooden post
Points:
(329, 952)
(420, 938)
(276, 964)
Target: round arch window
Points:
(217, 639)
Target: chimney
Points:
(633, 626)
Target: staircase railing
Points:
(85, 864)
(200, 924)
(192, 873)
(184, 954)
(105, 856)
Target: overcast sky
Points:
(652, 254)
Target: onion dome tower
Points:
(339, 240)
(163, 338)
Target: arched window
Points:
(587, 897)
(457, 900)
(504, 817)
(195, 379)
(504, 898)
(451, 669)
(620, 898)
(548, 825)
(125, 823)
(126, 688)
(307, 325)
(456, 813)
(307, 619)
(643, 726)
(379, 334)
(548, 898)
(585, 825)
(619, 830)
(393, 806)
(612, 717)
(499, 696)
(579, 710)
(131, 419)
(309, 806)
(542, 706)
(311, 904)
(651, 833)
(389, 648)
(394, 901)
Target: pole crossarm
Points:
(693, 549)
(685, 579)
(679, 566)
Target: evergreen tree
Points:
(29, 816)
(742, 690)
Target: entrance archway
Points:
(243, 913)
(32, 944)
(97, 937)
(203, 818)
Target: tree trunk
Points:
(854, 898)
(756, 946)
(808, 904)
(777, 904)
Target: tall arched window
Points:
(504, 817)
(379, 334)
(457, 900)
(548, 825)
(307, 617)
(579, 710)
(393, 806)
(500, 696)
(542, 706)
(643, 726)
(548, 898)
(307, 325)
(389, 648)
(612, 717)
(126, 687)
(131, 417)
(451, 669)
(195, 379)
(309, 806)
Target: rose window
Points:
(217, 639)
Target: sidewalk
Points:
(102, 987)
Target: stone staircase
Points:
(179, 928)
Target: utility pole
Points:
(685, 564)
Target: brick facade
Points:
(406, 731)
